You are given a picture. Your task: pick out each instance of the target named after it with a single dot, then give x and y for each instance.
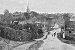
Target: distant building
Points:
(72, 18)
(56, 26)
(22, 22)
(70, 26)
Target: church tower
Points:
(28, 9)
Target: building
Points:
(28, 9)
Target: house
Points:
(22, 22)
(70, 28)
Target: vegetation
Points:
(29, 30)
(21, 33)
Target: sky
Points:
(45, 6)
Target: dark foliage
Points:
(27, 15)
(16, 32)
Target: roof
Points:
(56, 25)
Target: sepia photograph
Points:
(37, 24)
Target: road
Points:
(51, 43)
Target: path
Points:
(49, 44)
(55, 44)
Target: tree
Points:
(66, 17)
(7, 17)
(33, 13)
(6, 11)
(60, 20)
(27, 15)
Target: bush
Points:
(16, 32)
